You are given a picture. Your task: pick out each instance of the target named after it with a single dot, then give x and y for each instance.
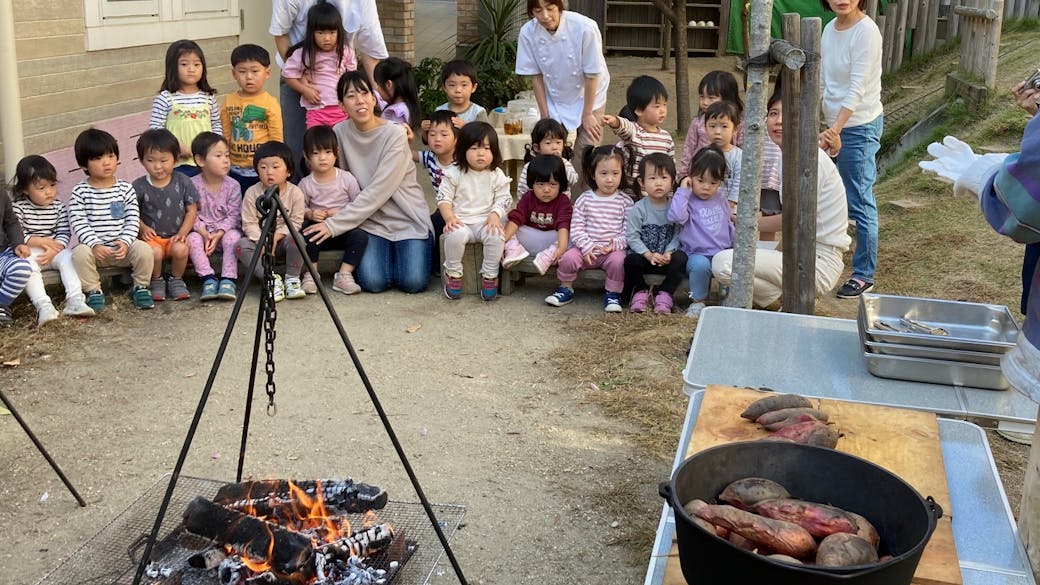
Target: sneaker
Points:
(95, 301)
(209, 289)
(158, 289)
(488, 288)
(694, 310)
(228, 290)
(453, 286)
(544, 259)
(76, 307)
(639, 301)
(279, 289)
(514, 253)
(45, 314)
(6, 319)
(853, 288)
(344, 282)
(309, 286)
(177, 290)
(142, 297)
(561, 297)
(612, 302)
(663, 303)
(293, 288)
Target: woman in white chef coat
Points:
(562, 52)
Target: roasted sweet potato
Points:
(786, 422)
(819, 519)
(865, 529)
(691, 508)
(826, 436)
(800, 432)
(774, 402)
(845, 550)
(740, 542)
(745, 493)
(775, 416)
(776, 535)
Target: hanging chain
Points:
(270, 317)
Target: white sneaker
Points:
(294, 288)
(694, 310)
(46, 314)
(76, 306)
(514, 253)
(309, 286)
(544, 259)
(279, 289)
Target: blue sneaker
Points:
(142, 297)
(228, 290)
(612, 302)
(561, 297)
(96, 300)
(209, 289)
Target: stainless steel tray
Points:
(936, 371)
(970, 326)
(933, 353)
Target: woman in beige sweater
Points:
(391, 207)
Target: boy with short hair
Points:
(250, 116)
(168, 203)
(459, 78)
(440, 134)
(104, 215)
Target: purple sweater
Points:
(706, 228)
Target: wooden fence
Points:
(915, 27)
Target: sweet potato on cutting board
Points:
(774, 402)
(776, 416)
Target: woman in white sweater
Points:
(391, 207)
(851, 79)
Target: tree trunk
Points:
(674, 11)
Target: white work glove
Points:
(956, 163)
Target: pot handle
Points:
(934, 506)
(664, 489)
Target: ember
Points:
(289, 533)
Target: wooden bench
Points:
(515, 276)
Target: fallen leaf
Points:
(189, 375)
(12, 363)
(215, 455)
(413, 328)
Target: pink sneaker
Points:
(514, 253)
(663, 303)
(639, 301)
(544, 259)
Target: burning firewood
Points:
(363, 543)
(287, 552)
(264, 496)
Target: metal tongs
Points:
(911, 326)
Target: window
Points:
(113, 24)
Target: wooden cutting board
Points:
(905, 442)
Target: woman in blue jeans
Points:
(851, 75)
(391, 207)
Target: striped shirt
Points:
(102, 216)
(599, 221)
(572, 179)
(640, 142)
(433, 167)
(186, 115)
(44, 222)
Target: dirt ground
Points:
(553, 481)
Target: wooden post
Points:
(881, 24)
(1033, 9)
(889, 38)
(666, 44)
(744, 246)
(808, 171)
(871, 10)
(900, 37)
(992, 50)
(933, 24)
(791, 84)
(1029, 510)
(953, 21)
(921, 27)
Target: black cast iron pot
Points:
(904, 520)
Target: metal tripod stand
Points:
(270, 207)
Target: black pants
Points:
(1029, 265)
(352, 242)
(636, 266)
(438, 231)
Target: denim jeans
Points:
(294, 122)
(404, 264)
(698, 267)
(858, 168)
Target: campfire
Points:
(288, 533)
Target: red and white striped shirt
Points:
(599, 220)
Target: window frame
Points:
(115, 24)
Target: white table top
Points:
(821, 356)
(984, 531)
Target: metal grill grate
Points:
(111, 556)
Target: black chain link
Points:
(270, 317)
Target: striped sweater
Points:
(51, 221)
(103, 216)
(640, 142)
(599, 221)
